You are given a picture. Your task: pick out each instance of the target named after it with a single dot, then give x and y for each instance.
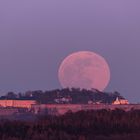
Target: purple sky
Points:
(36, 35)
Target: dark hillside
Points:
(73, 96)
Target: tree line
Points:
(78, 96)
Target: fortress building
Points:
(120, 102)
(17, 103)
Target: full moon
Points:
(84, 70)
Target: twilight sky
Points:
(36, 35)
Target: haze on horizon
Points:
(35, 36)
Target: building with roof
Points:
(120, 102)
(17, 103)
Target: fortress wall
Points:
(5, 103)
(23, 103)
(17, 103)
(63, 108)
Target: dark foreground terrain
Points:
(83, 125)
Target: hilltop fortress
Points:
(60, 109)
(58, 102)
